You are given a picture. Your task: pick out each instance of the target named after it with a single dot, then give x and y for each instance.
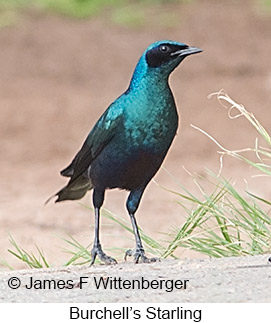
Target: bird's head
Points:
(159, 60)
(167, 55)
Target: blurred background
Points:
(62, 62)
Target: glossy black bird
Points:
(129, 142)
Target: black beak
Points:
(187, 51)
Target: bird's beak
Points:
(187, 51)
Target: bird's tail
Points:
(74, 190)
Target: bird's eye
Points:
(164, 49)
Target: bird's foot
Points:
(97, 251)
(139, 256)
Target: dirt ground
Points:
(226, 280)
(58, 75)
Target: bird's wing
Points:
(104, 130)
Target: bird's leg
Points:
(97, 248)
(138, 253)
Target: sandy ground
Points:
(58, 75)
(242, 279)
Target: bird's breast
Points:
(153, 129)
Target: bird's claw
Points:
(139, 256)
(97, 251)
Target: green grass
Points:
(264, 6)
(222, 223)
(73, 8)
(78, 8)
(31, 260)
(133, 14)
(81, 8)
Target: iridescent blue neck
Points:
(144, 76)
